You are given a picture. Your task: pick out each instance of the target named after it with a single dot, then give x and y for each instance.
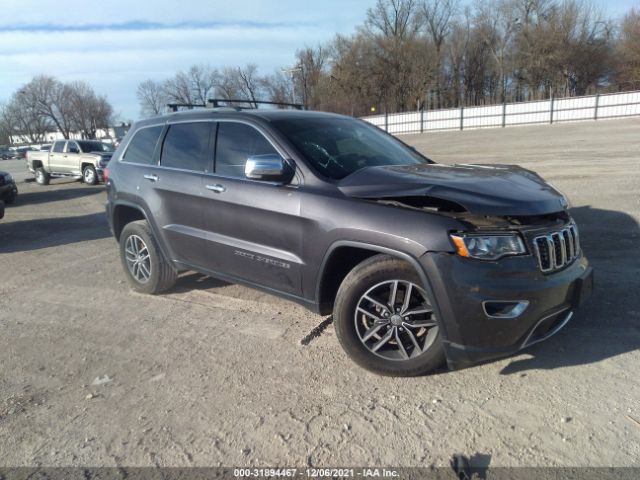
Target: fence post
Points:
(595, 110)
(551, 108)
(386, 122)
(504, 114)
(461, 117)
(422, 120)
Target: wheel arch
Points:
(124, 213)
(333, 269)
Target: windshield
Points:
(93, 146)
(337, 147)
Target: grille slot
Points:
(557, 249)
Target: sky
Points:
(116, 44)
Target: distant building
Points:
(112, 134)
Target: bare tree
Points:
(249, 82)
(308, 75)
(152, 98)
(193, 87)
(90, 112)
(241, 83)
(18, 118)
(436, 16)
(277, 87)
(49, 98)
(628, 49)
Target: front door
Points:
(254, 228)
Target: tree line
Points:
(413, 54)
(47, 104)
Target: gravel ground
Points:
(210, 374)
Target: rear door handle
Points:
(151, 176)
(217, 188)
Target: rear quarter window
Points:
(142, 145)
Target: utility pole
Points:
(291, 71)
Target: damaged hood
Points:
(503, 190)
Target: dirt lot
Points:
(215, 374)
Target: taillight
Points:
(105, 175)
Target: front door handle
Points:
(217, 188)
(151, 177)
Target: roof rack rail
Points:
(253, 104)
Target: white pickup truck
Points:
(85, 159)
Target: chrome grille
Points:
(556, 250)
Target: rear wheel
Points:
(146, 268)
(385, 319)
(89, 175)
(42, 177)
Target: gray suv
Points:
(419, 263)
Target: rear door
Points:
(254, 229)
(56, 157)
(71, 158)
(186, 156)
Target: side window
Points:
(58, 147)
(186, 146)
(237, 142)
(72, 147)
(142, 145)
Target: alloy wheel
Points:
(138, 258)
(395, 320)
(89, 175)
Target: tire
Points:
(42, 177)
(160, 274)
(89, 175)
(397, 354)
(9, 199)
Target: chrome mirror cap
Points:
(265, 167)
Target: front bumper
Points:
(462, 286)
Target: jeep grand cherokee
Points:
(419, 263)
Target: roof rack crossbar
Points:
(216, 103)
(174, 106)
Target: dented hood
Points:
(504, 190)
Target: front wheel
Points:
(89, 175)
(42, 177)
(385, 320)
(146, 268)
(9, 199)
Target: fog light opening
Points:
(504, 309)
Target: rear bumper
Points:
(462, 288)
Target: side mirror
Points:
(269, 167)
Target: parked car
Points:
(419, 263)
(8, 188)
(85, 159)
(21, 152)
(7, 153)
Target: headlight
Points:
(488, 246)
